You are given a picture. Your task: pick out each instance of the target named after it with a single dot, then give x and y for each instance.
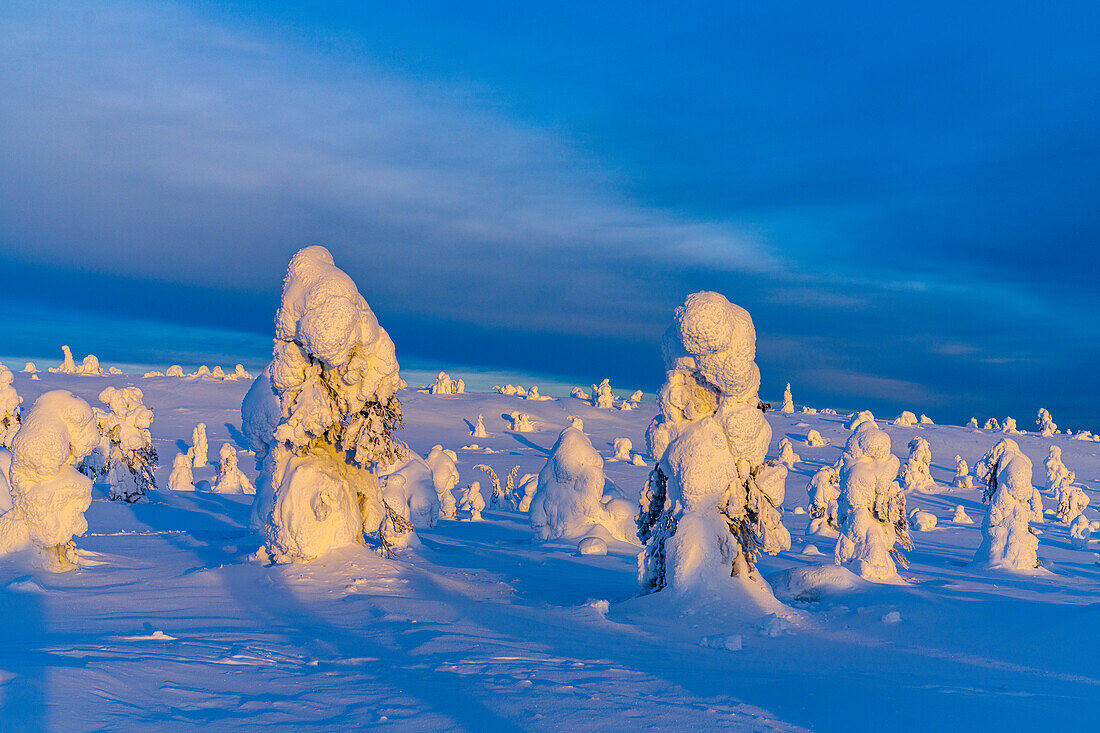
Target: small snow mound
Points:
(774, 625)
(892, 618)
(798, 510)
(961, 517)
(592, 546)
(729, 642)
(814, 582)
(923, 521)
(812, 550)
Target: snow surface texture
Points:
(569, 500)
(871, 507)
(333, 376)
(48, 495)
(712, 498)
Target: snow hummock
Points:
(906, 419)
(48, 495)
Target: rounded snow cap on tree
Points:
(868, 441)
(708, 323)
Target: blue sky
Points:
(906, 199)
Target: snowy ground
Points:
(167, 623)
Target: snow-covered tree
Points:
(496, 497)
(1045, 423)
(182, 477)
(814, 439)
(444, 385)
(1071, 499)
(1007, 540)
(925, 420)
(1056, 470)
(602, 396)
(1009, 427)
(521, 422)
(858, 418)
(199, 445)
(231, 479)
(712, 501)
(824, 490)
(579, 393)
(30, 368)
(916, 474)
(479, 428)
(443, 463)
(871, 507)
(906, 419)
(787, 456)
(992, 424)
(412, 483)
(973, 424)
(923, 521)
(526, 489)
(533, 394)
(68, 366)
(239, 372)
(636, 397)
(472, 502)
(10, 418)
(48, 495)
(174, 371)
(961, 517)
(322, 416)
(963, 479)
(1079, 532)
(788, 401)
(622, 448)
(126, 457)
(570, 500)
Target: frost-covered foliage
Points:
(859, 418)
(1071, 499)
(906, 419)
(788, 401)
(570, 501)
(1007, 540)
(199, 446)
(1056, 470)
(48, 495)
(10, 417)
(321, 418)
(1045, 423)
(871, 507)
(960, 516)
(125, 457)
(1079, 532)
(916, 474)
(814, 439)
(444, 465)
(991, 424)
(444, 385)
(230, 479)
(787, 456)
(472, 502)
(182, 477)
(602, 396)
(622, 447)
(712, 502)
(824, 490)
(963, 479)
(479, 428)
(1009, 427)
(521, 422)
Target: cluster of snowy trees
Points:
(239, 372)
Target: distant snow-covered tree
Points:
(1045, 423)
(788, 401)
(916, 474)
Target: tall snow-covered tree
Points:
(712, 502)
(125, 457)
(788, 401)
(1007, 540)
(10, 418)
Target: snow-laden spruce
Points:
(1056, 469)
(521, 422)
(871, 507)
(787, 456)
(859, 418)
(1071, 499)
(443, 463)
(444, 385)
(570, 500)
(1007, 540)
(471, 502)
(963, 479)
(788, 401)
(48, 495)
(182, 477)
(1009, 427)
(125, 457)
(230, 478)
(321, 418)
(1045, 423)
(916, 474)
(10, 417)
(199, 446)
(814, 439)
(602, 396)
(824, 490)
(712, 501)
(905, 420)
(479, 428)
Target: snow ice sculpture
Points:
(814, 439)
(622, 447)
(1056, 470)
(712, 501)
(963, 479)
(182, 478)
(824, 490)
(906, 419)
(916, 474)
(479, 428)
(1007, 540)
(788, 401)
(443, 463)
(10, 418)
(602, 396)
(231, 480)
(521, 422)
(48, 495)
(333, 377)
(871, 507)
(125, 457)
(1045, 423)
(570, 500)
(472, 502)
(858, 418)
(787, 456)
(200, 445)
